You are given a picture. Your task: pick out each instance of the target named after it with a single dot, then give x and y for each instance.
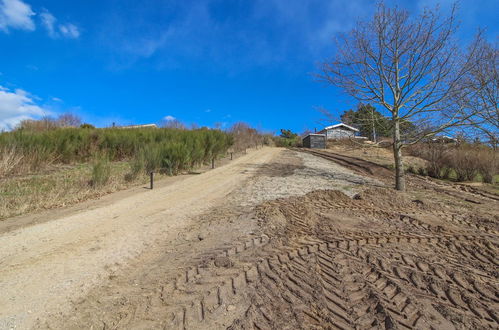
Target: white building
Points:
(339, 131)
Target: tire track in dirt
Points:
(345, 279)
(336, 283)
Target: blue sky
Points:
(200, 61)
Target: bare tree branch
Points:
(414, 68)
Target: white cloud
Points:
(16, 14)
(48, 21)
(17, 105)
(69, 31)
(169, 118)
(56, 99)
(56, 30)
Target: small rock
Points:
(200, 237)
(357, 197)
(417, 201)
(230, 308)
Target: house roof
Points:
(139, 126)
(315, 134)
(341, 125)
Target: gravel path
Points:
(305, 173)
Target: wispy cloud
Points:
(55, 30)
(17, 105)
(237, 34)
(169, 118)
(16, 14)
(48, 22)
(69, 30)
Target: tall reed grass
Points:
(145, 148)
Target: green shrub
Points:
(287, 142)
(101, 171)
(146, 149)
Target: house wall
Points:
(340, 133)
(315, 141)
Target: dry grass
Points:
(65, 185)
(10, 159)
(381, 156)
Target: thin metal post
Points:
(231, 156)
(152, 180)
(213, 163)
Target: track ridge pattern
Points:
(308, 272)
(338, 283)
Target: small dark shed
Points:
(315, 141)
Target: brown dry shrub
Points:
(437, 158)
(10, 160)
(244, 137)
(464, 162)
(488, 164)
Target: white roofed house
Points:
(339, 131)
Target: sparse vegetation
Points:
(59, 186)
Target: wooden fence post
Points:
(152, 179)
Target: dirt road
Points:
(277, 239)
(45, 266)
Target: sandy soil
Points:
(277, 239)
(44, 266)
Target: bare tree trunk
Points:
(397, 154)
(374, 126)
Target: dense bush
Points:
(146, 148)
(287, 139)
(287, 143)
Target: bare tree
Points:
(410, 66)
(68, 120)
(173, 124)
(244, 136)
(483, 96)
